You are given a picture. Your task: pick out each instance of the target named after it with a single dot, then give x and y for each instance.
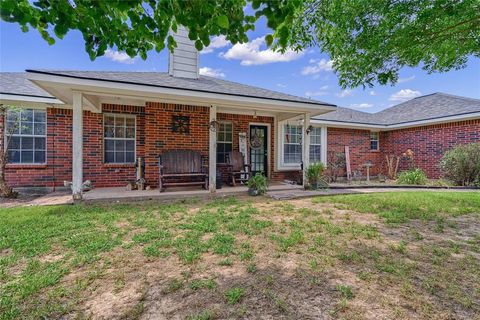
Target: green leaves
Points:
(222, 21)
(368, 40)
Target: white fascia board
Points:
(15, 99)
(146, 92)
(420, 123)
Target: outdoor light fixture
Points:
(214, 124)
(309, 129)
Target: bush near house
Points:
(462, 164)
(414, 176)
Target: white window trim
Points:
(125, 115)
(378, 140)
(28, 136)
(231, 142)
(281, 165)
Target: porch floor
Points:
(120, 193)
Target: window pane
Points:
(373, 145)
(130, 145)
(109, 132)
(119, 132)
(13, 156)
(119, 157)
(228, 137)
(27, 115)
(221, 136)
(228, 147)
(13, 115)
(315, 153)
(40, 143)
(40, 129)
(39, 156)
(119, 121)
(130, 132)
(109, 145)
(39, 116)
(119, 145)
(27, 156)
(27, 143)
(14, 143)
(109, 157)
(26, 128)
(109, 120)
(130, 122)
(13, 127)
(130, 157)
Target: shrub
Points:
(414, 176)
(462, 164)
(259, 183)
(314, 175)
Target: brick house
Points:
(86, 125)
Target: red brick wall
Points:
(59, 155)
(154, 136)
(429, 143)
(359, 145)
(160, 138)
(59, 152)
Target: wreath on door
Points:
(256, 142)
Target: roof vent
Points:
(183, 62)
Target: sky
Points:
(306, 74)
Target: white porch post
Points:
(306, 147)
(77, 166)
(212, 153)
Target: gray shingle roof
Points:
(436, 105)
(204, 84)
(18, 84)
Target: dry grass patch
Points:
(243, 258)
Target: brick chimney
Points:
(183, 62)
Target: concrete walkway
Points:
(295, 194)
(277, 192)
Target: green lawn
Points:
(402, 254)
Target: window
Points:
(26, 131)
(374, 140)
(292, 144)
(316, 144)
(119, 138)
(224, 141)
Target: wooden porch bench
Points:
(181, 168)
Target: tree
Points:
(368, 41)
(5, 190)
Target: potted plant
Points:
(314, 175)
(257, 185)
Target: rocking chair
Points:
(238, 171)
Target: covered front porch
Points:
(151, 112)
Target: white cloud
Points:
(118, 56)
(403, 80)
(281, 85)
(360, 105)
(404, 95)
(372, 93)
(322, 92)
(317, 66)
(215, 43)
(251, 53)
(206, 71)
(344, 93)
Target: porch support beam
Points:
(212, 152)
(306, 147)
(77, 166)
